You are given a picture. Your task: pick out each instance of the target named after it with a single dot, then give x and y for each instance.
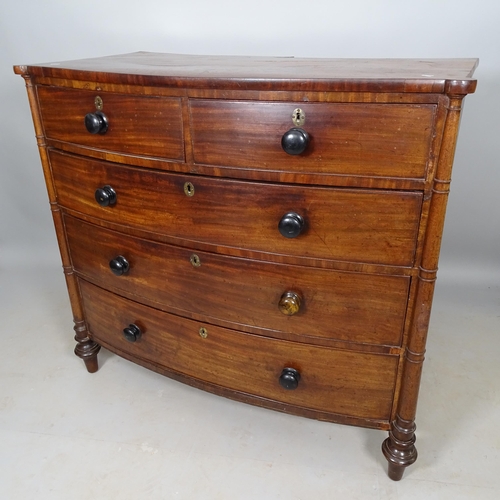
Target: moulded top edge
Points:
(269, 73)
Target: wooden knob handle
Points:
(132, 333)
(289, 379)
(96, 123)
(295, 141)
(289, 303)
(119, 265)
(291, 225)
(105, 196)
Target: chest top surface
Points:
(280, 73)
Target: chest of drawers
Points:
(266, 229)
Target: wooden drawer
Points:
(333, 381)
(345, 306)
(340, 224)
(390, 140)
(138, 125)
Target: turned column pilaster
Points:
(86, 348)
(399, 448)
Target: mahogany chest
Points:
(266, 229)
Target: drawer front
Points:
(137, 125)
(391, 140)
(342, 382)
(338, 305)
(342, 224)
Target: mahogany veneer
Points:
(267, 229)
(356, 225)
(370, 139)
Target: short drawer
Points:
(137, 125)
(390, 140)
(333, 381)
(339, 224)
(352, 307)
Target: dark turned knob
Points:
(119, 265)
(295, 141)
(289, 379)
(291, 225)
(96, 123)
(132, 332)
(105, 196)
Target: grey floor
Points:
(127, 433)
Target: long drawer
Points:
(391, 140)
(345, 306)
(137, 125)
(334, 381)
(339, 224)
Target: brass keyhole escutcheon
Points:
(298, 117)
(203, 333)
(98, 103)
(195, 260)
(189, 189)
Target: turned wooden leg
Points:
(91, 363)
(399, 448)
(395, 472)
(86, 348)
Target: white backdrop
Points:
(33, 31)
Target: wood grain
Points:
(138, 125)
(390, 140)
(354, 307)
(268, 73)
(355, 225)
(333, 381)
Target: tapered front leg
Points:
(86, 348)
(399, 448)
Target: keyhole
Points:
(189, 189)
(298, 117)
(98, 103)
(195, 260)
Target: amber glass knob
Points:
(132, 332)
(295, 141)
(289, 303)
(96, 123)
(105, 196)
(289, 379)
(119, 265)
(291, 225)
